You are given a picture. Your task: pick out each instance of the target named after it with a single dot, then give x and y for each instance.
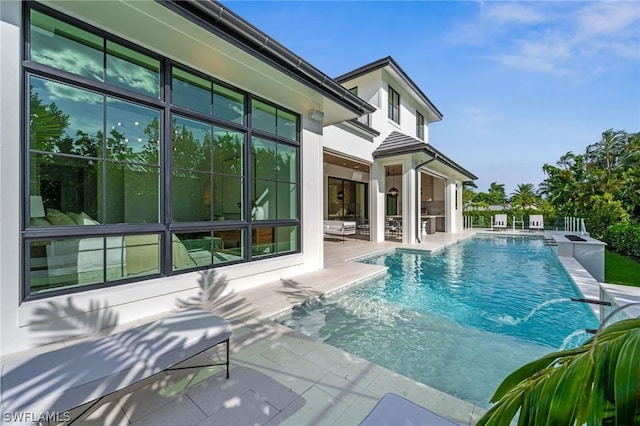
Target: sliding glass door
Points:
(348, 200)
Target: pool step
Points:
(550, 242)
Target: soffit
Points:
(336, 160)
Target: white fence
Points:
(575, 224)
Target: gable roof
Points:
(393, 65)
(221, 21)
(398, 143)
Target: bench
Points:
(60, 380)
(339, 227)
(393, 410)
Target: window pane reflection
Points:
(228, 104)
(66, 187)
(263, 116)
(132, 193)
(228, 152)
(65, 119)
(190, 91)
(227, 197)
(191, 144)
(132, 70)
(66, 47)
(263, 242)
(287, 125)
(134, 132)
(71, 262)
(287, 239)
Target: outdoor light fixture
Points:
(316, 114)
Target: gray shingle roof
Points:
(398, 143)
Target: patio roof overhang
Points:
(399, 144)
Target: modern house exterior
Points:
(382, 171)
(145, 144)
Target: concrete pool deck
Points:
(278, 375)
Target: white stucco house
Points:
(144, 144)
(382, 171)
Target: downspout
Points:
(417, 169)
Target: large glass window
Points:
(200, 94)
(75, 262)
(109, 177)
(208, 172)
(68, 48)
(270, 119)
(419, 126)
(394, 105)
(76, 167)
(275, 184)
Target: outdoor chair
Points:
(536, 222)
(499, 221)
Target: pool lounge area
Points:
(280, 376)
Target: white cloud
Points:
(608, 19)
(512, 13)
(562, 39)
(549, 54)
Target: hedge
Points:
(623, 238)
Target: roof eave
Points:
(391, 63)
(225, 23)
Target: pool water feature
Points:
(460, 319)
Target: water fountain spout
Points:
(592, 301)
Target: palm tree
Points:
(597, 383)
(524, 197)
(496, 193)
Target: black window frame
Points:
(419, 125)
(394, 105)
(165, 227)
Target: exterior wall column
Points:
(459, 218)
(409, 207)
(377, 196)
(450, 205)
(311, 198)
(11, 338)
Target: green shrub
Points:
(624, 238)
(603, 212)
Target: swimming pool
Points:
(460, 319)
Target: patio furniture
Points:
(499, 221)
(339, 227)
(519, 222)
(63, 379)
(536, 222)
(393, 409)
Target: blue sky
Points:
(519, 83)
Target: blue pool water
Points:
(459, 320)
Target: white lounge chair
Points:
(499, 221)
(536, 222)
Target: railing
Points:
(467, 222)
(575, 224)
